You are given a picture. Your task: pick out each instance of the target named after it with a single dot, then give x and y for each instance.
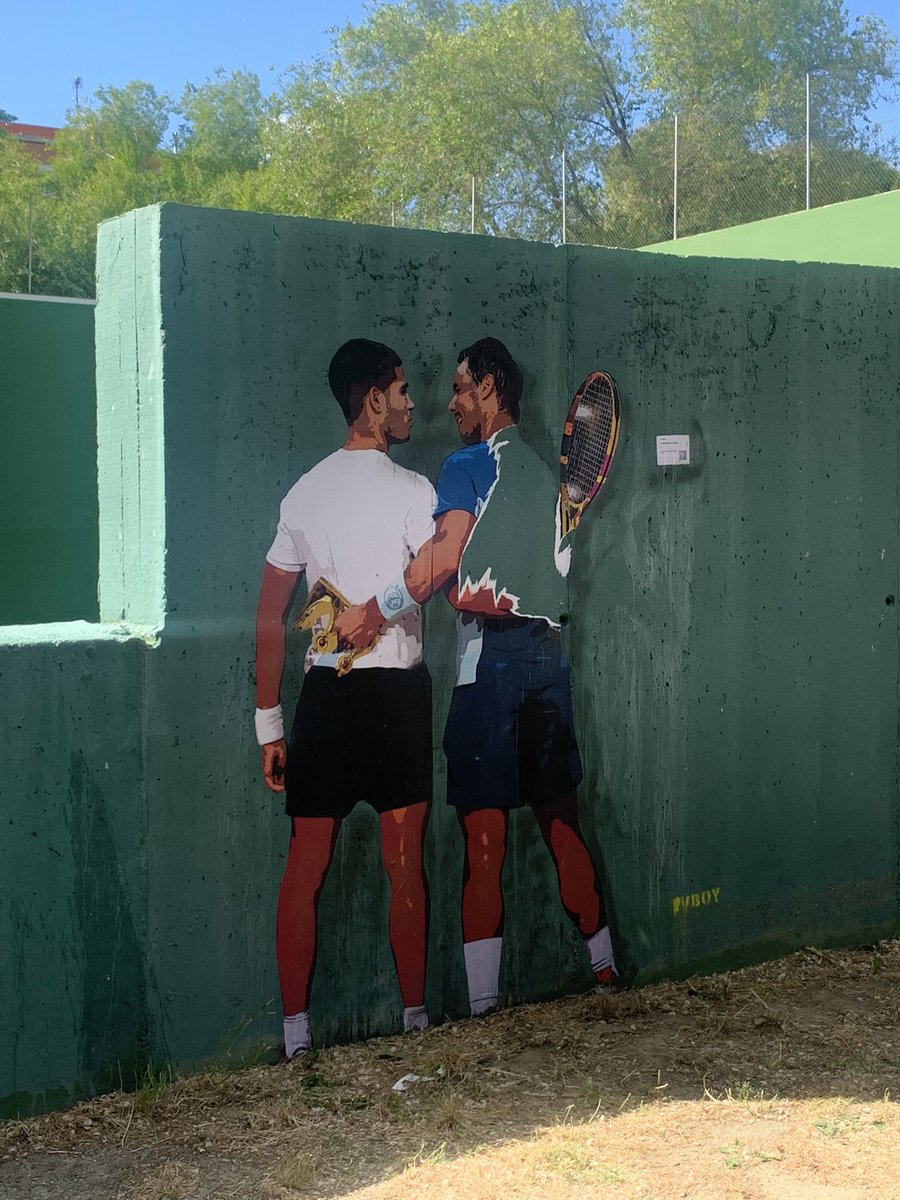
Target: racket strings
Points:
(593, 426)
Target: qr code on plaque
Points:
(682, 455)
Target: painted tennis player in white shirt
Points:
(356, 519)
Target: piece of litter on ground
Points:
(405, 1080)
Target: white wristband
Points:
(395, 600)
(269, 724)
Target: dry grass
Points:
(171, 1181)
(769, 1082)
(723, 1150)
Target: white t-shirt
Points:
(357, 519)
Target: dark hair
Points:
(490, 357)
(358, 366)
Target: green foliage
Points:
(426, 94)
(5, 116)
(223, 124)
(19, 184)
(154, 1085)
(752, 56)
(423, 95)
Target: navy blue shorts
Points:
(365, 736)
(510, 737)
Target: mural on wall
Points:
(355, 520)
(360, 526)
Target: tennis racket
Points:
(590, 437)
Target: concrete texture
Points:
(735, 653)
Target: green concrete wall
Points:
(48, 461)
(865, 232)
(740, 662)
(735, 659)
(74, 971)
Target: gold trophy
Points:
(323, 605)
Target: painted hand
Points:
(274, 756)
(359, 625)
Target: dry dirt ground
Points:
(778, 1082)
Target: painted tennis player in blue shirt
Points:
(509, 738)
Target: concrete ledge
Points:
(57, 633)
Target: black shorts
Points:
(365, 736)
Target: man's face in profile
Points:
(465, 406)
(399, 410)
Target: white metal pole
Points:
(675, 187)
(392, 215)
(563, 197)
(473, 203)
(807, 141)
(30, 227)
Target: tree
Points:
(223, 126)
(19, 185)
(106, 161)
(425, 94)
(750, 57)
(6, 117)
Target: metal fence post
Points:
(473, 204)
(563, 197)
(675, 187)
(30, 238)
(808, 141)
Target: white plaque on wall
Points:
(673, 450)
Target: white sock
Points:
(483, 973)
(415, 1018)
(600, 952)
(297, 1037)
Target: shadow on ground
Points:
(582, 1092)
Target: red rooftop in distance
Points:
(37, 139)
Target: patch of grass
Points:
(845, 1120)
(316, 1090)
(235, 1054)
(314, 1079)
(733, 1155)
(449, 1111)
(153, 1086)
(745, 1093)
(576, 1164)
(431, 1158)
(171, 1181)
(297, 1173)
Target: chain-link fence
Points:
(678, 175)
(670, 176)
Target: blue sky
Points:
(165, 42)
(168, 43)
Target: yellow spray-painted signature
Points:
(681, 904)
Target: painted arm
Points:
(275, 596)
(436, 563)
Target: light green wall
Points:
(734, 661)
(865, 232)
(48, 455)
